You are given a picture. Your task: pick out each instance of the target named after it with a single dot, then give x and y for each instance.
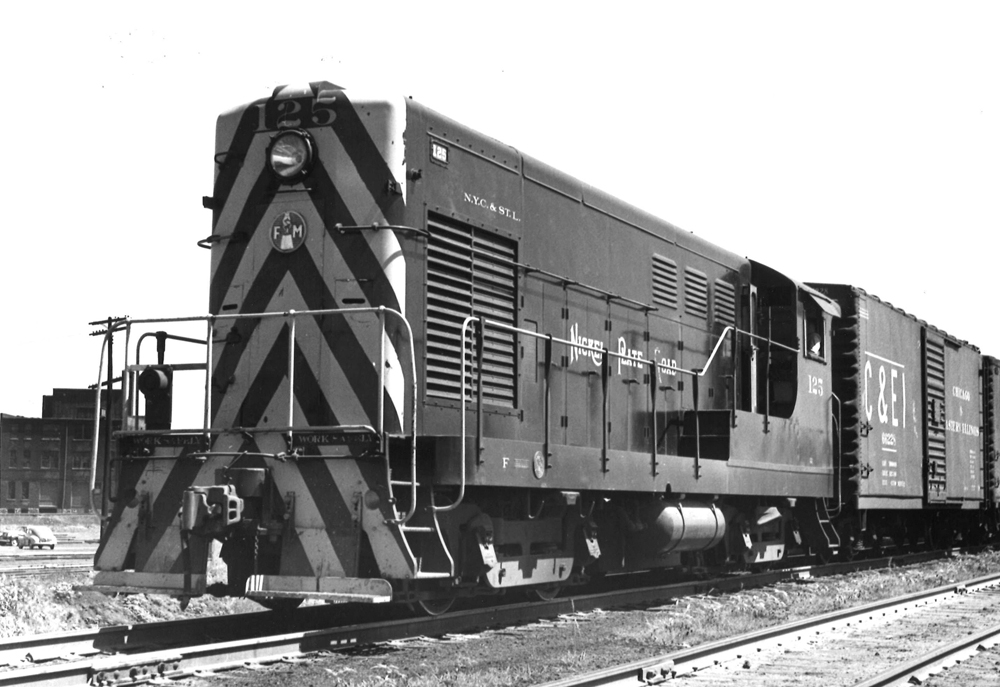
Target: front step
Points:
(407, 531)
(814, 520)
(417, 562)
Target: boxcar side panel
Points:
(890, 402)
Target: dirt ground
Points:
(549, 650)
(524, 655)
(545, 651)
(34, 605)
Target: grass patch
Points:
(531, 654)
(508, 657)
(40, 604)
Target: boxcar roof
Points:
(858, 291)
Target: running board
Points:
(125, 582)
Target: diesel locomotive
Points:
(433, 366)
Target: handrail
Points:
(345, 429)
(549, 339)
(127, 387)
(293, 314)
(701, 372)
(767, 378)
(207, 405)
(353, 228)
(211, 321)
(839, 457)
(97, 425)
(291, 378)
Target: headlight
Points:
(290, 154)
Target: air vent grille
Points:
(725, 303)
(695, 292)
(664, 281)
(469, 272)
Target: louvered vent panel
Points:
(664, 281)
(695, 292)
(468, 273)
(725, 303)
(937, 456)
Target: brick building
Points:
(45, 462)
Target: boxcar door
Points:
(963, 409)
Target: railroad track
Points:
(48, 564)
(892, 642)
(52, 569)
(941, 659)
(126, 654)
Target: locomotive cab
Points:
(782, 429)
(787, 342)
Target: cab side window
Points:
(815, 338)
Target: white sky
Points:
(853, 142)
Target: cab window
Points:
(815, 336)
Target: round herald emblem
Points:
(539, 464)
(288, 231)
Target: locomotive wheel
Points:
(544, 593)
(942, 536)
(282, 605)
(433, 607)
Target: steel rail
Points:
(239, 640)
(918, 670)
(45, 570)
(34, 557)
(45, 564)
(661, 668)
(181, 662)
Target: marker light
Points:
(290, 154)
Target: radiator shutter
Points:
(695, 293)
(469, 272)
(725, 303)
(664, 281)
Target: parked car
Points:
(9, 535)
(36, 536)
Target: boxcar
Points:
(913, 454)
